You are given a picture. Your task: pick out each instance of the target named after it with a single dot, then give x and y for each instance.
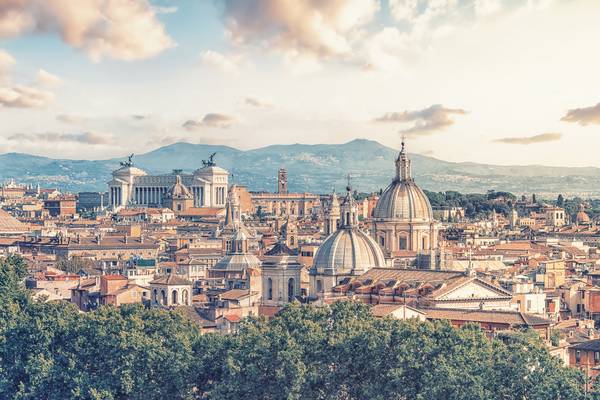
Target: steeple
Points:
(403, 165)
(332, 214)
(349, 209)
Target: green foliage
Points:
(75, 264)
(53, 351)
(475, 205)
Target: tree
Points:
(53, 351)
(560, 201)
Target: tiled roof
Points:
(408, 275)
(513, 318)
(8, 223)
(235, 294)
(171, 280)
(590, 345)
(381, 310)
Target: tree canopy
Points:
(53, 351)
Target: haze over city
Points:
(502, 82)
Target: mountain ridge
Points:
(311, 167)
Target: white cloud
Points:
(426, 121)
(258, 103)
(94, 138)
(45, 78)
(225, 63)
(70, 119)
(211, 120)
(122, 29)
(315, 28)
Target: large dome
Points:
(348, 251)
(403, 201)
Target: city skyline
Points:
(496, 82)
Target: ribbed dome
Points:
(179, 190)
(237, 262)
(348, 250)
(582, 217)
(403, 201)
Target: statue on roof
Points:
(210, 162)
(129, 162)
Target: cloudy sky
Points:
(495, 81)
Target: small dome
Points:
(403, 201)
(179, 190)
(348, 251)
(582, 217)
(238, 262)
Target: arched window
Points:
(184, 297)
(382, 241)
(174, 297)
(291, 291)
(269, 289)
(155, 296)
(163, 297)
(291, 240)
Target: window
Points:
(403, 243)
(319, 285)
(596, 357)
(528, 305)
(577, 357)
(269, 289)
(291, 290)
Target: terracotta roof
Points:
(381, 310)
(171, 280)
(232, 318)
(513, 318)
(235, 294)
(269, 311)
(114, 277)
(407, 275)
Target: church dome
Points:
(238, 262)
(582, 217)
(348, 251)
(403, 200)
(179, 190)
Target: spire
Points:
(403, 165)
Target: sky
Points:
(489, 81)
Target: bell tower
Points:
(282, 184)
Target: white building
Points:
(133, 186)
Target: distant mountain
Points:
(312, 168)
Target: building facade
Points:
(133, 186)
